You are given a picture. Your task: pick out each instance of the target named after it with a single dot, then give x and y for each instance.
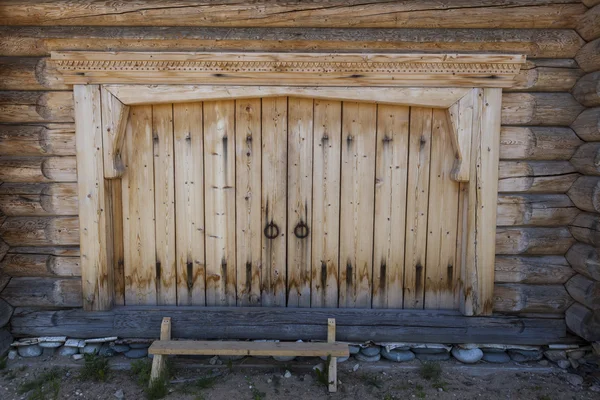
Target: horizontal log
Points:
(536, 78)
(533, 241)
(38, 199)
(20, 73)
(587, 125)
(587, 90)
(536, 176)
(40, 265)
(4, 247)
(535, 209)
(537, 143)
(66, 251)
(4, 279)
(37, 140)
(533, 270)
(38, 169)
(583, 322)
(35, 107)
(336, 13)
(441, 326)
(585, 291)
(585, 193)
(517, 298)
(587, 159)
(6, 311)
(590, 3)
(588, 26)
(585, 259)
(43, 292)
(588, 57)
(586, 228)
(40, 231)
(40, 41)
(539, 109)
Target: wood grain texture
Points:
(40, 231)
(537, 143)
(587, 89)
(38, 169)
(588, 26)
(114, 123)
(555, 109)
(535, 209)
(36, 107)
(38, 199)
(43, 292)
(24, 73)
(37, 140)
(534, 43)
(587, 125)
(585, 259)
(391, 175)
(357, 204)
(588, 56)
(518, 298)
(587, 158)
(586, 228)
(189, 203)
(583, 322)
(326, 203)
(40, 265)
(537, 77)
(585, 291)
(532, 269)
(585, 193)
(536, 176)
(533, 240)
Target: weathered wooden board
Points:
(585, 193)
(585, 291)
(537, 143)
(535, 209)
(588, 26)
(583, 322)
(586, 228)
(38, 169)
(36, 107)
(545, 78)
(536, 176)
(588, 57)
(38, 199)
(291, 324)
(391, 180)
(533, 241)
(326, 203)
(585, 259)
(25, 73)
(587, 159)
(587, 89)
(587, 125)
(43, 292)
(40, 265)
(556, 109)
(37, 140)
(338, 13)
(517, 298)
(357, 204)
(535, 43)
(532, 269)
(40, 231)
(66, 251)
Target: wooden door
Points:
(289, 202)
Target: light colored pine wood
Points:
(332, 361)
(38, 199)
(441, 272)
(38, 169)
(299, 152)
(248, 157)
(116, 189)
(94, 201)
(159, 360)
(219, 190)
(461, 122)
(40, 231)
(189, 203)
(417, 194)
(138, 210)
(274, 201)
(357, 204)
(391, 174)
(37, 140)
(114, 122)
(587, 125)
(535, 209)
(326, 203)
(164, 204)
(537, 143)
(588, 56)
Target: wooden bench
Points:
(165, 346)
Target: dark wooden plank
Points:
(290, 324)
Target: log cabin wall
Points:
(583, 316)
(544, 147)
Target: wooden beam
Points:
(535, 209)
(584, 322)
(587, 89)
(585, 291)
(460, 123)
(35, 107)
(114, 122)
(152, 94)
(438, 326)
(38, 199)
(159, 360)
(588, 26)
(585, 259)
(517, 298)
(37, 140)
(332, 360)
(586, 228)
(545, 270)
(537, 143)
(587, 125)
(95, 205)
(588, 57)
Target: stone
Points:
(576, 354)
(120, 348)
(555, 355)
(44, 339)
(445, 356)
(30, 351)
(389, 346)
(284, 358)
(231, 358)
(339, 359)
(106, 350)
(492, 350)
(91, 348)
(119, 394)
(574, 379)
(467, 356)
(559, 346)
(51, 345)
(415, 347)
(361, 357)
(496, 357)
(287, 374)
(428, 351)
(525, 355)
(596, 348)
(595, 388)
(102, 340)
(564, 364)
(467, 346)
(574, 363)
(139, 345)
(48, 351)
(213, 360)
(136, 353)
(353, 349)
(355, 367)
(77, 356)
(370, 351)
(543, 363)
(66, 351)
(12, 354)
(5, 341)
(75, 343)
(398, 355)
(25, 342)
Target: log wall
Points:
(544, 170)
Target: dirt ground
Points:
(54, 378)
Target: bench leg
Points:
(158, 362)
(332, 370)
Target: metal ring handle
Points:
(301, 230)
(271, 230)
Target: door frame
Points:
(468, 86)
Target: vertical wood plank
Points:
(138, 209)
(300, 148)
(326, 203)
(189, 203)
(248, 200)
(219, 167)
(417, 195)
(164, 204)
(274, 201)
(391, 173)
(442, 218)
(478, 269)
(94, 199)
(114, 121)
(116, 189)
(357, 203)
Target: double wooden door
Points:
(288, 202)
